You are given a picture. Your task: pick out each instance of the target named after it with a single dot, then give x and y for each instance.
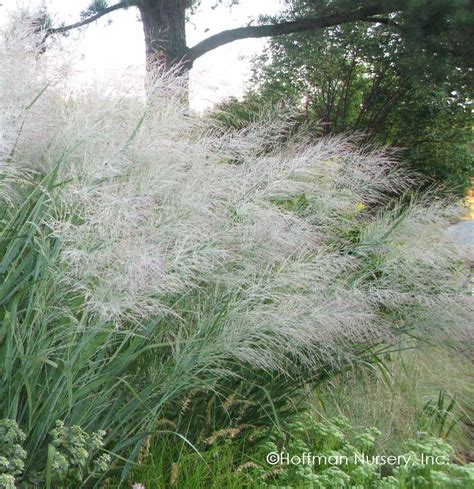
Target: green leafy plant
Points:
(72, 457)
(439, 417)
(12, 454)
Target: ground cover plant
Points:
(337, 448)
(161, 279)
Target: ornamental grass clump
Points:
(149, 261)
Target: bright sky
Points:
(115, 43)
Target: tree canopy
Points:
(383, 80)
(438, 25)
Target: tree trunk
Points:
(165, 33)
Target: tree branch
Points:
(380, 20)
(88, 20)
(269, 30)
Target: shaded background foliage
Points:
(406, 83)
